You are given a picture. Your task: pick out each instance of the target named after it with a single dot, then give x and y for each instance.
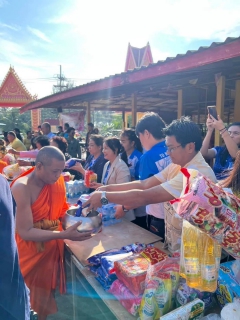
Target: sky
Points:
(89, 39)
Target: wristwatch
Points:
(104, 199)
(124, 209)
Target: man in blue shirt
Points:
(46, 129)
(14, 297)
(155, 159)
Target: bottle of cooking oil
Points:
(191, 255)
(210, 258)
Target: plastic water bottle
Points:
(75, 189)
(81, 187)
(70, 189)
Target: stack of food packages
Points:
(102, 264)
(211, 222)
(147, 283)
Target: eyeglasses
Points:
(170, 150)
(234, 133)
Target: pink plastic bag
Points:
(211, 209)
(125, 297)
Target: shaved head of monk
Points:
(50, 163)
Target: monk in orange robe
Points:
(41, 202)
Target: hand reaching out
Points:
(95, 185)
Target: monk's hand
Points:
(71, 233)
(94, 202)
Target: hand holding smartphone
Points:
(213, 111)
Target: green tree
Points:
(12, 118)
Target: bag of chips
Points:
(160, 289)
(211, 209)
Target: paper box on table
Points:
(191, 311)
(228, 285)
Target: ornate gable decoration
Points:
(138, 57)
(13, 93)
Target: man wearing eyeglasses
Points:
(224, 155)
(183, 141)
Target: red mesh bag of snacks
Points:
(210, 208)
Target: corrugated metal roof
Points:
(124, 75)
(159, 62)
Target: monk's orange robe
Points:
(3, 164)
(42, 271)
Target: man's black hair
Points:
(70, 129)
(42, 140)
(153, 123)
(90, 124)
(12, 133)
(185, 131)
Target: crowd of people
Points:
(140, 171)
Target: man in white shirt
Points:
(183, 141)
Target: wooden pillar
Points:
(237, 102)
(88, 112)
(180, 104)
(134, 109)
(123, 120)
(220, 106)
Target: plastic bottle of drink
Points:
(70, 190)
(191, 257)
(218, 254)
(81, 187)
(75, 189)
(209, 271)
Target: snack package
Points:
(192, 311)
(228, 285)
(149, 307)
(14, 170)
(72, 162)
(185, 294)
(89, 177)
(161, 286)
(132, 270)
(125, 297)
(211, 209)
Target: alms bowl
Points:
(92, 223)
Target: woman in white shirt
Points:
(115, 170)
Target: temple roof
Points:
(13, 93)
(138, 57)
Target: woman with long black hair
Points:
(132, 151)
(224, 155)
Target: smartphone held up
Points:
(212, 111)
